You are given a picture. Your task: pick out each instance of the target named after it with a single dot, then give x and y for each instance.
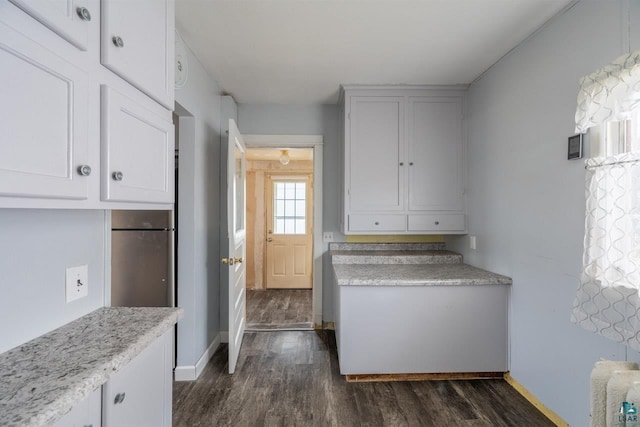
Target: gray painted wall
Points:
(526, 200)
(307, 120)
(199, 216)
(36, 247)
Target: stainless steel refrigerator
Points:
(142, 259)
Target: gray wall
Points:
(307, 120)
(199, 216)
(36, 247)
(526, 200)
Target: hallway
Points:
(279, 309)
(292, 379)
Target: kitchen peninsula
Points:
(417, 309)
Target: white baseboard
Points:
(192, 372)
(224, 337)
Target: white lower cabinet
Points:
(87, 413)
(137, 152)
(140, 393)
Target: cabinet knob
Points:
(437, 222)
(84, 170)
(376, 223)
(119, 398)
(117, 176)
(117, 41)
(410, 163)
(401, 163)
(83, 13)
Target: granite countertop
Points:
(41, 380)
(415, 275)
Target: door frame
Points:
(316, 142)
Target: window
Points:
(290, 207)
(608, 298)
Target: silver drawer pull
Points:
(83, 13)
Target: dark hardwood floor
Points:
(279, 308)
(292, 379)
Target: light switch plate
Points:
(77, 282)
(472, 242)
(327, 236)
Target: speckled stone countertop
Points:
(415, 275)
(395, 257)
(41, 380)
(337, 246)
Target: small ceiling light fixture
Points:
(284, 157)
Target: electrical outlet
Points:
(77, 280)
(472, 242)
(327, 236)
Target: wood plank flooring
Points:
(293, 379)
(279, 308)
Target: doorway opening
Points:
(280, 238)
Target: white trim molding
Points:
(316, 143)
(192, 372)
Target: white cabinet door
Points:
(138, 43)
(137, 152)
(139, 394)
(435, 154)
(43, 118)
(86, 413)
(67, 18)
(375, 154)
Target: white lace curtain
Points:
(608, 298)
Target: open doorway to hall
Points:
(279, 238)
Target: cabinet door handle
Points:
(83, 13)
(119, 398)
(117, 41)
(84, 170)
(117, 176)
(437, 222)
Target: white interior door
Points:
(237, 241)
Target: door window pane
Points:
(290, 207)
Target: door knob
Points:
(239, 260)
(229, 261)
(269, 240)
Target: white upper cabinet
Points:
(68, 18)
(43, 117)
(137, 152)
(376, 153)
(435, 154)
(404, 153)
(137, 44)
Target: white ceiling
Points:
(300, 51)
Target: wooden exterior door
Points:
(289, 237)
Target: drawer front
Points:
(375, 223)
(443, 222)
